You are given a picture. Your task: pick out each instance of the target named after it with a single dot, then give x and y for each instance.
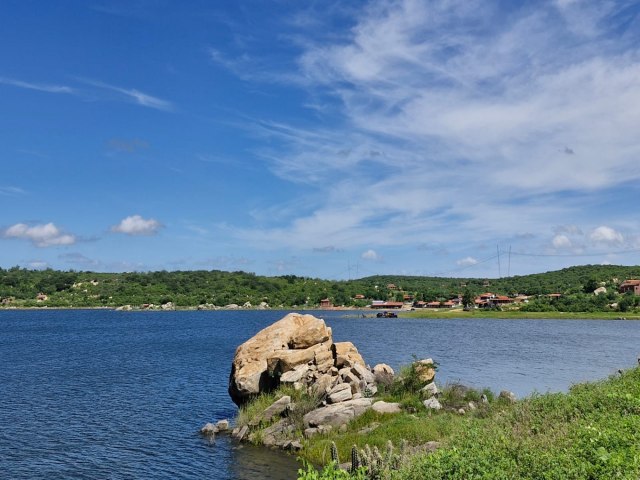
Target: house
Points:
(433, 305)
(553, 296)
(630, 286)
(448, 304)
(392, 286)
(41, 297)
(326, 303)
(500, 300)
(420, 304)
(407, 297)
(359, 297)
(382, 304)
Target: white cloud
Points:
(370, 255)
(606, 235)
(136, 225)
(41, 235)
(467, 262)
(561, 241)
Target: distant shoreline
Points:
(414, 314)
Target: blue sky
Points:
(320, 138)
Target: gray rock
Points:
(432, 403)
(385, 407)
(383, 368)
(294, 375)
(310, 432)
(272, 435)
(242, 432)
(362, 373)
(337, 414)
(430, 390)
(484, 399)
(222, 425)
(508, 396)
(209, 430)
(339, 393)
(294, 446)
(370, 390)
(472, 406)
(275, 409)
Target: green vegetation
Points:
(591, 432)
(20, 287)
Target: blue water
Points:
(102, 394)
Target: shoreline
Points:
(402, 314)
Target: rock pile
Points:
(297, 350)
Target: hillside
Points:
(20, 287)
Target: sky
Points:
(322, 138)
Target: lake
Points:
(95, 394)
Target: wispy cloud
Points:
(41, 235)
(133, 95)
(10, 191)
(454, 118)
(41, 87)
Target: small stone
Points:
(343, 428)
(295, 446)
(310, 432)
(209, 430)
(461, 411)
(430, 389)
(432, 403)
(472, 406)
(242, 432)
(385, 407)
(508, 396)
(484, 399)
(222, 425)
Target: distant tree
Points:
(468, 298)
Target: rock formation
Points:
(299, 350)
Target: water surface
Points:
(94, 394)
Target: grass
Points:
(516, 314)
(591, 432)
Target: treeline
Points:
(21, 287)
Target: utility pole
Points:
(509, 264)
(499, 268)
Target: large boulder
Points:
(292, 341)
(347, 355)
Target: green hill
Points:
(20, 287)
